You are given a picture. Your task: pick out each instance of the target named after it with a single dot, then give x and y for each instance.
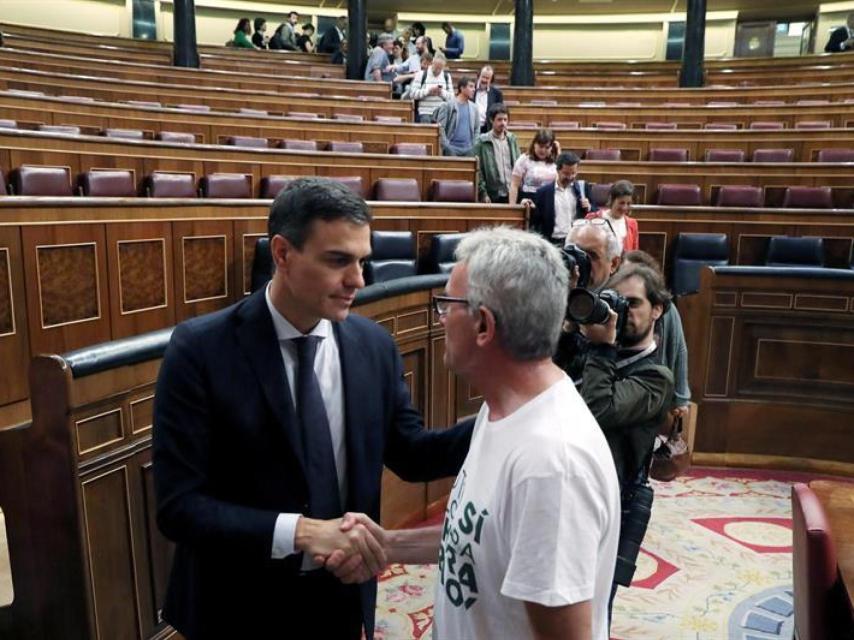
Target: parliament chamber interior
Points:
(142, 144)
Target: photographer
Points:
(614, 364)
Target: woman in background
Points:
(619, 207)
(534, 168)
(241, 35)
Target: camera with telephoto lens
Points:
(574, 256)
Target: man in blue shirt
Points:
(454, 43)
(458, 121)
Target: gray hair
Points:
(522, 279)
(612, 243)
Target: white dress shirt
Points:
(327, 368)
(481, 98)
(565, 203)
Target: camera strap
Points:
(640, 355)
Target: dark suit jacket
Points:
(493, 96)
(330, 42)
(837, 37)
(227, 461)
(543, 215)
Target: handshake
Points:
(354, 548)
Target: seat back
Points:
(262, 264)
(599, 193)
(392, 256)
(349, 117)
(692, 252)
(181, 137)
(786, 251)
(162, 184)
(271, 185)
(813, 124)
(340, 146)
(5, 123)
(525, 124)
(354, 183)
(249, 111)
(202, 108)
(610, 125)
(144, 103)
(740, 195)
(408, 149)
(668, 155)
(303, 114)
(32, 180)
(298, 145)
(441, 256)
(660, 126)
(107, 183)
(130, 134)
(60, 128)
(226, 185)
(603, 154)
(688, 195)
(835, 155)
(247, 141)
(397, 189)
(388, 119)
(543, 103)
(724, 155)
(766, 125)
(452, 191)
(814, 565)
(720, 126)
(808, 198)
(564, 124)
(773, 155)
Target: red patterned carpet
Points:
(715, 565)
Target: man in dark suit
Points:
(557, 204)
(330, 42)
(272, 418)
(842, 38)
(486, 94)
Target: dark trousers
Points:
(327, 608)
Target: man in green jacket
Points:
(496, 151)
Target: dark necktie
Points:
(324, 501)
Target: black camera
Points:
(573, 257)
(589, 307)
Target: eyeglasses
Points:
(596, 222)
(441, 303)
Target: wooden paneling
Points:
(203, 274)
(14, 331)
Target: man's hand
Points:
(681, 412)
(486, 200)
(573, 277)
(584, 202)
(359, 537)
(602, 333)
(527, 202)
(369, 540)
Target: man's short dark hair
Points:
(463, 82)
(293, 13)
(566, 158)
(259, 22)
(418, 28)
(307, 26)
(305, 200)
(495, 109)
(656, 292)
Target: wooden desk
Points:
(837, 498)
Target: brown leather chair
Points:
(565, 124)
(271, 185)
(724, 155)
(660, 126)
(181, 137)
(107, 183)
(298, 145)
(34, 180)
(408, 149)
(344, 146)
(226, 185)
(610, 125)
(808, 198)
(603, 154)
(813, 124)
(766, 125)
(525, 124)
(720, 126)
(835, 155)
(740, 195)
(131, 134)
(822, 611)
(397, 190)
(60, 128)
(354, 183)
(162, 184)
(600, 193)
(247, 141)
(773, 155)
(668, 155)
(686, 195)
(452, 191)
(8, 124)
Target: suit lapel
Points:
(257, 337)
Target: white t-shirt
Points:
(534, 516)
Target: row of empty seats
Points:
(546, 102)
(249, 142)
(31, 180)
(668, 126)
(691, 195)
(680, 154)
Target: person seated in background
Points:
(431, 88)
(378, 62)
(340, 56)
(455, 44)
(560, 202)
(497, 152)
(304, 42)
(259, 39)
(457, 120)
(241, 35)
(619, 208)
(486, 94)
(390, 28)
(529, 542)
(536, 167)
(289, 34)
(331, 40)
(670, 337)
(842, 38)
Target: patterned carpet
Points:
(715, 565)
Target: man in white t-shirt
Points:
(529, 542)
